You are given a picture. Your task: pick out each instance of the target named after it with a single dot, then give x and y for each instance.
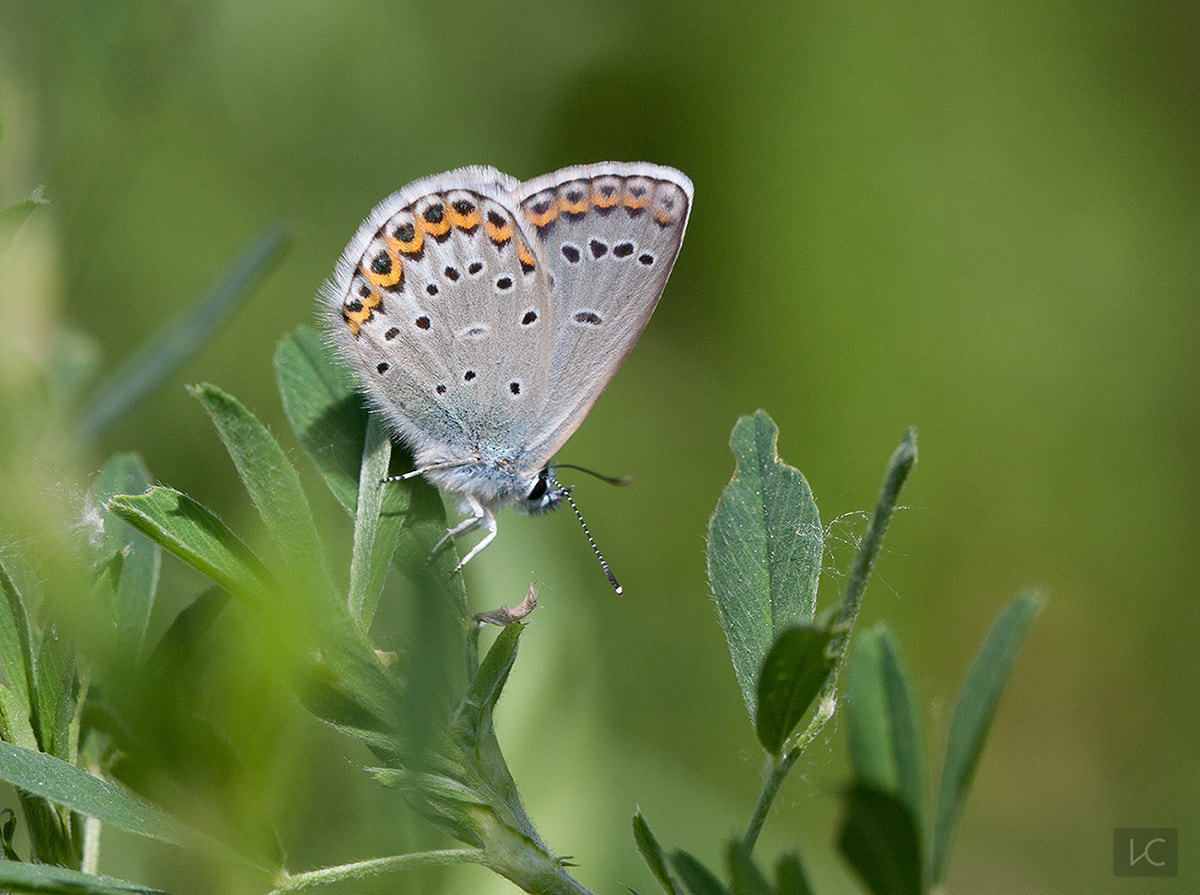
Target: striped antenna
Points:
(565, 492)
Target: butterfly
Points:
(483, 317)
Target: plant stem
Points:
(780, 766)
(378, 867)
(778, 769)
(899, 466)
(91, 846)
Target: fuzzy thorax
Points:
(497, 484)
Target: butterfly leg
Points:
(488, 521)
(481, 516)
(465, 527)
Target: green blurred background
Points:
(980, 219)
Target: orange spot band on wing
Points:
(406, 247)
(468, 221)
(389, 277)
(498, 233)
(356, 317)
(434, 228)
(541, 220)
(526, 258)
(601, 201)
(574, 207)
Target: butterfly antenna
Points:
(611, 479)
(612, 579)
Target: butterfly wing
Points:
(609, 233)
(440, 306)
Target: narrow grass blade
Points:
(376, 867)
(653, 854)
(883, 720)
(973, 718)
(764, 550)
(273, 485)
(45, 878)
(173, 345)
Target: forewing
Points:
(610, 234)
(443, 311)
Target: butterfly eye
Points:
(538, 491)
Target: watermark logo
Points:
(1145, 851)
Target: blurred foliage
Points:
(978, 219)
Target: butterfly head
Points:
(544, 494)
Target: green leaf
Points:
(138, 584)
(275, 488)
(15, 724)
(64, 784)
(424, 526)
(972, 719)
(792, 675)
(886, 736)
(790, 878)
(273, 485)
(173, 345)
(186, 631)
(325, 410)
(16, 654)
(194, 534)
(330, 420)
(478, 760)
(12, 217)
(698, 878)
(475, 712)
(57, 693)
(653, 854)
(371, 556)
(744, 875)
(764, 550)
(199, 538)
(473, 756)
(879, 838)
(17, 877)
